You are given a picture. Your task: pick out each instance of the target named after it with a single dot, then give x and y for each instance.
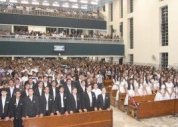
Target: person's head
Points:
(45, 78)
(53, 83)
(103, 90)
(40, 84)
(61, 89)
(30, 80)
(17, 93)
(11, 83)
(69, 82)
(30, 92)
(50, 78)
(27, 85)
(17, 81)
(74, 91)
(95, 86)
(3, 92)
(83, 83)
(46, 90)
(89, 88)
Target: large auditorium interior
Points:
(88, 63)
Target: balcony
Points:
(35, 46)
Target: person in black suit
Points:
(16, 109)
(4, 105)
(68, 87)
(89, 102)
(31, 82)
(11, 90)
(46, 103)
(45, 81)
(74, 102)
(53, 90)
(59, 79)
(39, 91)
(103, 100)
(82, 87)
(61, 102)
(25, 91)
(31, 105)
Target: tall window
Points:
(121, 7)
(131, 58)
(131, 6)
(164, 26)
(164, 60)
(121, 29)
(111, 5)
(131, 33)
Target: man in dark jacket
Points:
(31, 105)
(46, 103)
(16, 109)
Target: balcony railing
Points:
(28, 38)
(50, 14)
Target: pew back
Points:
(6, 123)
(157, 108)
(108, 82)
(89, 119)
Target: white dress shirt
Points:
(97, 92)
(54, 92)
(90, 97)
(3, 103)
(17, 102)
(104, 96)
(40, 91)
(75, 98)
(11, 91)
(62, 99)
(47, 98)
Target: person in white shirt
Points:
(96, 90)
(122, 87)
(162, 94)
(130, 91)
(99, 78)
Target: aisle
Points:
(121, 119)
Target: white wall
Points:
(147, 30)
(41, 29)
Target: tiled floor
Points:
(121, 119)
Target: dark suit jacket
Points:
(23, 94)
(61, 81)
(58, 102)
(71, 104)
(43, 103)
(79, 88)
(86, 101)
(101, 103)
(37, 93)
(51, 92)
(13, 94)
(31, 108)
(67, 91)
(6, 107)
(16, 111)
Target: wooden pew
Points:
(134, 102)
(108, 83)
(88, 119)
(113, 97)
(6, 123)
(121, 105)
(156, 108)
(108, 89)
